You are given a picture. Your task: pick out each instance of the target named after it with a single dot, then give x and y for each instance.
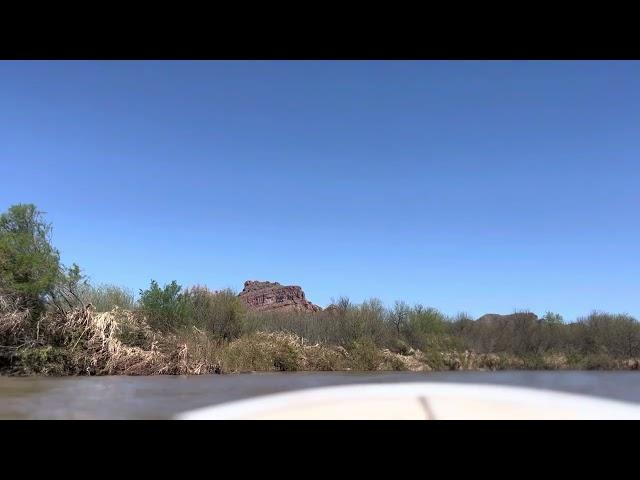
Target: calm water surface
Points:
(161, 397)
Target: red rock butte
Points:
(265, 296)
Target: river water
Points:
(161, 397)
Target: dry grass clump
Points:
(412, 362)
(14, 321)
(122, 342)
(468, 360)
(323, 358)
(288, 352)
(192, 352)
(260, 352)
(278, 351)
(94, 345)
(79, 341)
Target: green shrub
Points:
(342, 325)
(520, 333)
(435, 360)
(45, 360)
(286, 358)
(315, 327)
(357, 323)
(617, 335)
(166, 308)
(400, 346)
(365, 356)
(247, 354)
(106, 297)
(219, 313)
(598, 361)
(132, 329)
(423, 327)
(325, 359)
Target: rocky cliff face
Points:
(261, 296)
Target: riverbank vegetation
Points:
(54, 322)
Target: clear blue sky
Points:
(467, 186)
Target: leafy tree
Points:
(29, 265)
(551, 318)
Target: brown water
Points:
(161, 397)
